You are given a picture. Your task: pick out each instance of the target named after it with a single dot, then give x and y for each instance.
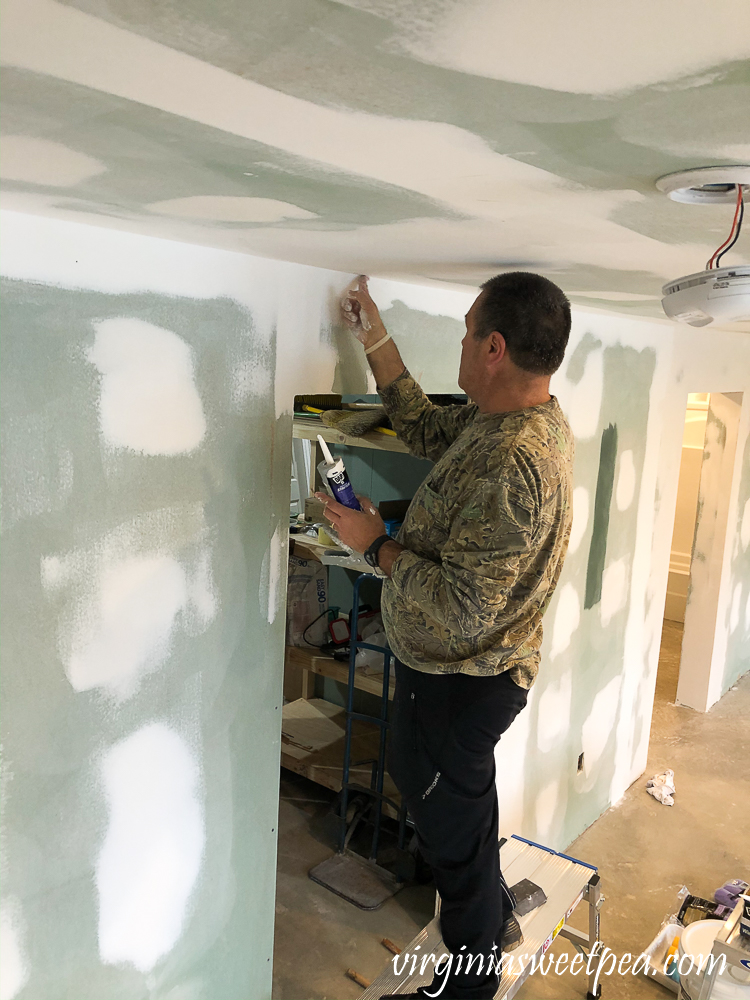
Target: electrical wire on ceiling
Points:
(734, 232)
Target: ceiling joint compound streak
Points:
(442, 142)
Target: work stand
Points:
(362, 881)
(566, 883)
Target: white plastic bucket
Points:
(696, 942)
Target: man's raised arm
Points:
(427, 430)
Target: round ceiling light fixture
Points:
(718, 294)
(706, 185)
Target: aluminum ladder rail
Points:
(566, 882)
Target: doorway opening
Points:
(690, 667)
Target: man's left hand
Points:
(356, 528)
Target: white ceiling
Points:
(442, 140)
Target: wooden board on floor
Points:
(312, 744)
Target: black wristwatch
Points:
(371, 556)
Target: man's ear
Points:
(496, 347)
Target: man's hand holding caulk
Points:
(359, 528)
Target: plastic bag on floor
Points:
(661, 786)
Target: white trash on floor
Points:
(661, 786)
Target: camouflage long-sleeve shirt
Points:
(485, 534)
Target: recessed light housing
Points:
(706, 185)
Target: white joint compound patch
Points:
(14, 971)
(41, 161)
(580, 517)
(270, 575)
(585, 398)
(625, 481)
(567, 617)
(231, 208)
(614, 590)
(578, 54)
(599, 725)
(149, 402)
(124, 599)
(151, 855)
(131, 624)
(553, 713)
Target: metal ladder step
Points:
(565, 882)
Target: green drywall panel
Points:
(75, 510)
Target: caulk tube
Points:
(334, 473)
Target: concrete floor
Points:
(645, 853)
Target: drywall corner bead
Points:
(148, 400)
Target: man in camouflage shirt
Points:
(473, 569)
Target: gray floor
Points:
(645, 852)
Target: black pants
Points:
(441, 756)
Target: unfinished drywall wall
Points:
(142, 484)
(147, 397)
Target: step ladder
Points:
(566, 882)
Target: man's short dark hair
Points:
(532, 314)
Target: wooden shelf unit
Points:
(308, 430)
(312, 744)
(313, 730)
(311, 662)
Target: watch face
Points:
(369, 559)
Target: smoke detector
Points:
(717, 294)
